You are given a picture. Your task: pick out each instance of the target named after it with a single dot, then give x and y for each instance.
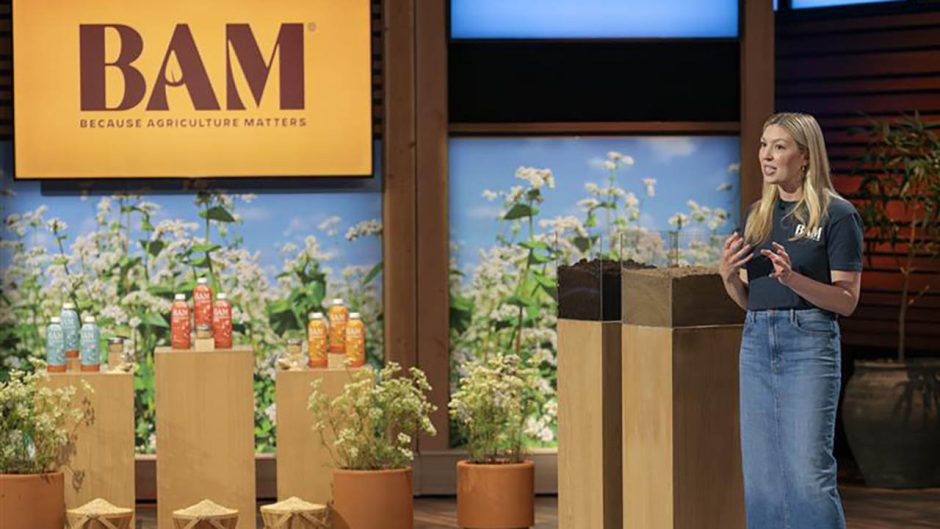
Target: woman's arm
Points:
(733, 257)
(840, 297)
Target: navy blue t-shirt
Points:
(836, 245)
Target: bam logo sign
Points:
(241, 47)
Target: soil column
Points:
(589, 413)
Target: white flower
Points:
(56, 225)
(588, 203)
(614, 156)
(490, 196)
(650, 184)
(537, 178)
(363, 229)
(626, 160)
(678, 220)
(631, 200)
(609, 165)
(735, 167)
(591, 188)
(723, 187)
(271, 412)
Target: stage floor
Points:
(865, 508)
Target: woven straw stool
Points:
(205, 515)
(99, 514)
(294, 513)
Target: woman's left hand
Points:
(783, 270)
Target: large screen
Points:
(593, 19)
(190, 89)
(803, 4)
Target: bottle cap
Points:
(221, 295)
(68, 306)
(89, 319)
(315, 316)
(337, 301)
(55, 319)
(116, 340)
(202, 281)
(354, 315)
(180, 297)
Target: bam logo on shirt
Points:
(816, 234)
(241, 48)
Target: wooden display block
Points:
(304, 465)
(205, 430)
(681, 441)
(589, 432)
(103, 463)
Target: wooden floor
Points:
(865, 508)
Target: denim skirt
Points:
(790, 375)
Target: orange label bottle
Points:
(355, 341)
(202, 304)
(180, 325)
(317, 337)
(222, 322)
(338, 315)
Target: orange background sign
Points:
(176, 88)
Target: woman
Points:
(797, 266)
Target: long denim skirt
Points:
(790, 375)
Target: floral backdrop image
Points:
(520, 207)
(121, 256)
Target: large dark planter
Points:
(892, 422)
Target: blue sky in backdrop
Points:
(685, 168)
(562, 19)
(286, 214)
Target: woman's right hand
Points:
(733, 256)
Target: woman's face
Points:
(780, 158)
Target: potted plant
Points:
(890, 409)
(496, 484)
(373, 423)
(34, 445)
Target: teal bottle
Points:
(90, 345)
(55, 346)
(71, 328)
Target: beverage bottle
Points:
(355, 341)
(202, 304)
(317, 332)
(179, 322)
(70, 329)
(55, 346)
(222, 322)
(90, 345)
(338, 315)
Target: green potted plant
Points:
(34, 446)
(373, 424)
(496, 484)
(890, 409)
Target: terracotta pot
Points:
(495, 496)
(372, 499)
(32, 501)
(891, 413)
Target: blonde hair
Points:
(818, 192)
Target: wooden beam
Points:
(757, 91)
(432, 215)
(398, 198)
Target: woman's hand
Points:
(733, 256)
(783, 270)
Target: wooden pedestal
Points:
(205, 430)
(103, 463)
(681, 451)
(304, 466)
(589, 433)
